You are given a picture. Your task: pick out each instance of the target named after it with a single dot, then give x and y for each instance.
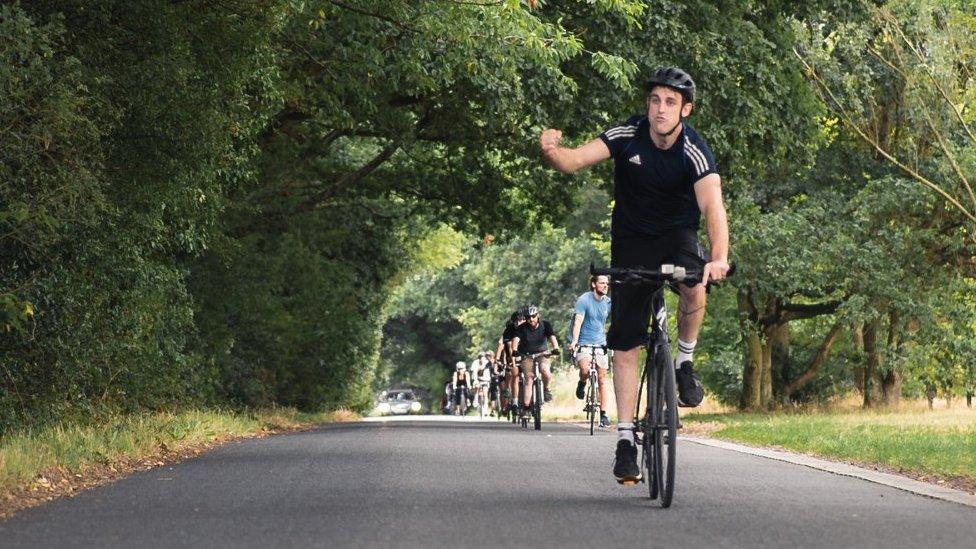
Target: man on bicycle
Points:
(665, 180)
(588, 340)
(459, 386)
(533, 337)
(505, 359)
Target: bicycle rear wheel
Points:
(667, 432)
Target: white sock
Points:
(625, 431)
(686, 351)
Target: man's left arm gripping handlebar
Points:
(708, 192)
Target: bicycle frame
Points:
(593, 403)
(658, 427)
(536, 396)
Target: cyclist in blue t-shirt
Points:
(588, 340)
(665, 181)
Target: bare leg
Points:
(513, 375)
(625, 383)
(601, 376)
(584, 367)
(691, 312)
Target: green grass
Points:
(73, 448)
(940, 442)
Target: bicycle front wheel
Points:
(666, 435)
(591, 403)
(651, 420)
(537, 405)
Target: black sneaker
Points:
(690, 392)
(581, 389)
(625, 468)
(604, 420)
(546, 395)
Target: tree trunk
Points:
(817, 361)
(891, 382)
(766, 394)
(752, 370)
(780, 358)
(857, 334)
(873, 359)
(891, 388)
(969, 399)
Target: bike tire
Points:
(537, 405)
(591, 404)
(498, 403)
(517, 411)
(650, 431)
(666, 440)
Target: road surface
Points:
(478, 484)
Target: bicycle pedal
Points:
(629, 481)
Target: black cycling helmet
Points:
(530, 310)
(517, 315)
(674, 78)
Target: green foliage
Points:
(113, 170)
(226, 203)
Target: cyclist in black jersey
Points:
(505, 358)
(460, 384)
(535, 336)
(665, 180)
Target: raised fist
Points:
(550, 139)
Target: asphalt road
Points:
(476, 485)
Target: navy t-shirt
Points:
(654, 189)
(509, 332)
(534, 341)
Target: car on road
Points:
(398, 402)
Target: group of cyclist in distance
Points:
(665, 181)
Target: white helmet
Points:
(459, 366)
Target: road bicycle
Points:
(481, 397)
(592, 404)
(657, 430)
(495, 390)
(537, 388)
(460, 396)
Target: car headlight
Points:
(383, 408)
(415, 407)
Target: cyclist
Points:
(587, 334)
(665, 180)
(534, 336)
(460, 385)
(482, 379)
(505, 359)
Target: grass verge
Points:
(40, 465)
(931, 445)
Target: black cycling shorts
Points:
(630, 312)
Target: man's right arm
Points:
(577, 325)
(567, 160)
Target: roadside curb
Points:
(895, 481)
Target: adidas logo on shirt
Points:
(635, 159)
